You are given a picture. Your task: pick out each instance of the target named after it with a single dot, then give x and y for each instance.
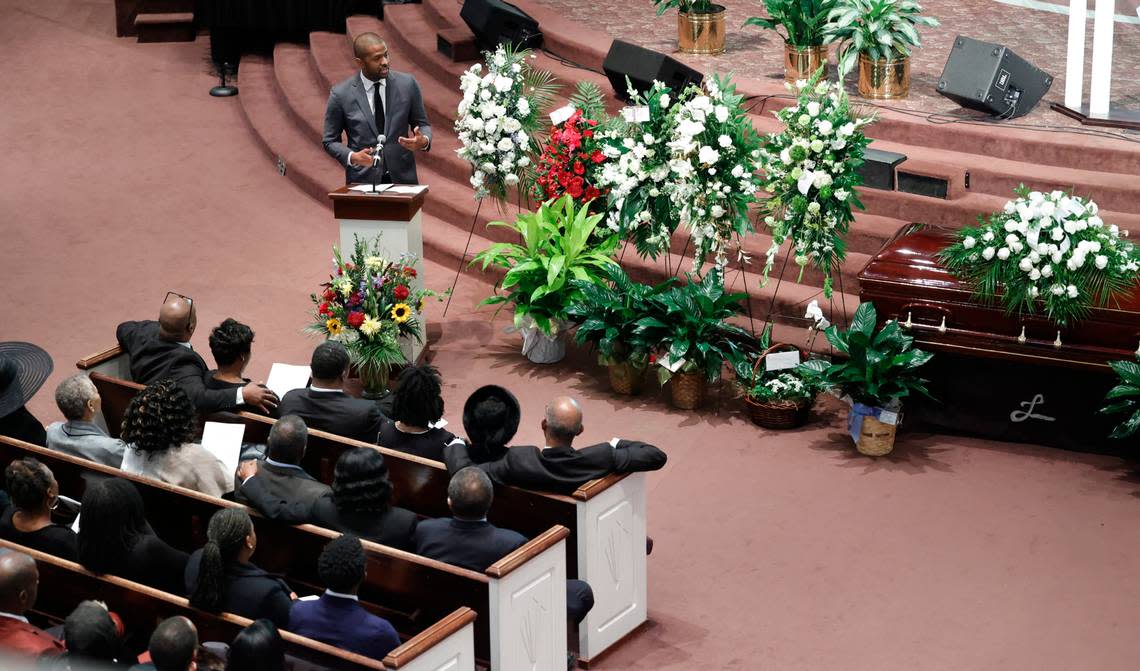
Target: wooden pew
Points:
(523, 594)
(606, 517)
(63, 584)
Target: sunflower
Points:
(401, 313)
(420, 306)
(333, 326)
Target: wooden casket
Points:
(1015, 377)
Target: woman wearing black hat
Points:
(23, 369)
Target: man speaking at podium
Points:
(376, 107)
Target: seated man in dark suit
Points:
(559, 467)
(337, 618)
(324, 405)
(470, 541)
(281, 472)
(19, 586)
(173, 646)
(162, 349)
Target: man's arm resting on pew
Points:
(633, 455)
(273, 507)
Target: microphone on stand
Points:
(378, 161)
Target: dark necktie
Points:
(379, 108)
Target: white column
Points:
(1075, 61)
(1103, 17)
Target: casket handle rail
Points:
(918, 314)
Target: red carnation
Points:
(355, 319)
(329, 294)
(579, 169)
(598, 156)
(587, 133)
(409, 271)
(401, 292)
(355, 297)
(593, 122)
(323, 309)
(592, 193)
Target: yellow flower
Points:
(401, 313)
(344, 286)
(333, 326)
(370, 326)
(374, 263)
(420, 306)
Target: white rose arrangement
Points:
(810, 170)
(498, 116)
(1045, 250)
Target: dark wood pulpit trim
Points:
(386, 206)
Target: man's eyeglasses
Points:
(189, 301)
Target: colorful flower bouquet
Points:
(498, 115)
(369, 304)
(811, 171)
(714, 151)
(1048, 250)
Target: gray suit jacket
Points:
(87, 441)
(348, 112)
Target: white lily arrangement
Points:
(498, 116)
(1045, 250)
(811, 171)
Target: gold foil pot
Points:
(701, 33)
(802, 62)
(883, 79)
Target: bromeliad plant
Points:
(884, 30)
(881, 369)
(555, 249)
(1125, 398)
(608, 316)
(811, 171)
(803, 21)
(688, 324)
(1045, 250)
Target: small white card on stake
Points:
(888, 417)
(670, 364)
(781, 360)
(561, 114)
(639, 114)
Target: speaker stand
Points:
(1117, 117)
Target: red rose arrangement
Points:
(570, 162)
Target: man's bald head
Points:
(563, 421)
(19, 582)
(176, 319)
(173, 644)
(364, 42)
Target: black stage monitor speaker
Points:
(991, 78)
(642, 66)
(495, 22)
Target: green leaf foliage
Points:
(802, 20)
(609, 314)
(881, 29)
(881, 367)
(546, 271)
(1127, 397)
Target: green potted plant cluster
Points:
(689, 325)
(607, 316)
(880, 372)
(776, 397)
(555, 249)
(1125, 398)
(700, 25)
(803, 22)
(880, 34)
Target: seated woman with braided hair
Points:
(219, 577)
(159, 428)
(417, 404)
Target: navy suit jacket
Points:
(153, 359)
(471, 545)
(343, 623)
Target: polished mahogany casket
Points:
(1007, 376)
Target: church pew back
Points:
(63, 584)
(409, 590)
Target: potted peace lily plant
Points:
(700, 25)
(1125, 397)
(688, 325)
(880, 372)
(803, 21)
(555, 249)
(879, 34)
(607, 316)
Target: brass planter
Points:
(884, 79)
(802, 62)
(701, 33)
(688, 389)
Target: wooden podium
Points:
(395, 218)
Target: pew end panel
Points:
(611, 558)
(114, 364)
(528, 605)
(447, 645)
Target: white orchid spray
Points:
(1049, 251)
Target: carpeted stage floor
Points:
(786, 551)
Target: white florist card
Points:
(284, 378)
(224, 442)
(561, 114)
(639, 114)
(781, 360)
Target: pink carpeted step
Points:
(331, 54)
(304, 92)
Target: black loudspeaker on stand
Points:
(991, 78)
(495, 22)
(642, 66)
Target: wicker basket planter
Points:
(873, 437)
(781, 414)
(626, 378)
(688, 389)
